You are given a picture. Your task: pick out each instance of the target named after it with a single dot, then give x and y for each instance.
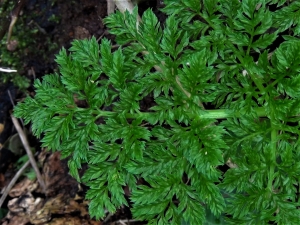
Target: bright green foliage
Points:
(221, 90)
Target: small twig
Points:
(12, 102)
(12, 182)
(101, 36)
(123, 222)
(14, 16)
(110, 6)
(33, 73)
(42, 30)
(7, 70)
(108, 217)
(124, 5)
(29, 153)
(11, 26)
(10, 98)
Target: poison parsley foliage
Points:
(165, 111)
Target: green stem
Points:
(207, 114)
(250, 42)
(272, 154)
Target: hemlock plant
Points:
(221, 90)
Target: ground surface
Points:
(57, 22)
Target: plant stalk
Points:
(272, 150)
(207, 114)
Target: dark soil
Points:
(63, 21)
